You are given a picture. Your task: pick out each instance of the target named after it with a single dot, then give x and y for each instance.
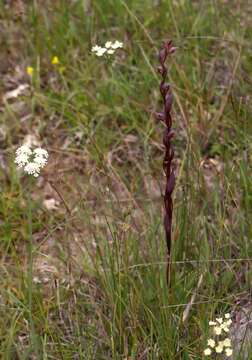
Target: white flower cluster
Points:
(109, 48)
(31, 160)
(220, 326)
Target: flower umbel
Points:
(32, 168)
(32, 161)
(22, 155)
(101, 51)
(220, 345)
(117, 45)
(109, 48)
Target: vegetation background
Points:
(99, 289)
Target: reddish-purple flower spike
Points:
(165, 117)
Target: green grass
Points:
(100, 289)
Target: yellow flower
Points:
(207, 352)
(29, 70)
(55, 60)
(227, 316)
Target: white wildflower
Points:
(110, 51)
(108, 44)
(108, 48)
(22, 155)
(219, 348)
(212, 323)
(95, 48)
(40, 161)
(207, 352)
(117, 44)
(226, 329)
(31, 161)
(219, 343)
(21, 160)
(24, 149)
(228, 352)
(225, 326)
(40, 152)
(98, 50)
(32, 168)
(101, 51)
(228, 322)
(211, 343)
(217, 330)
(41, 156)
(227, 342)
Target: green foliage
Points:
(99, 288)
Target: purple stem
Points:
(165, 117)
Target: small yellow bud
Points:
(55, 60)
(29, 70)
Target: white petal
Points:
(108, 44)
(211, 323)
(117, 44)
(24, 149)
(41, 152)
(95, 48)
(229, 352)
(101, 52)
(207, 352)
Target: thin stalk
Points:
(30, 273)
